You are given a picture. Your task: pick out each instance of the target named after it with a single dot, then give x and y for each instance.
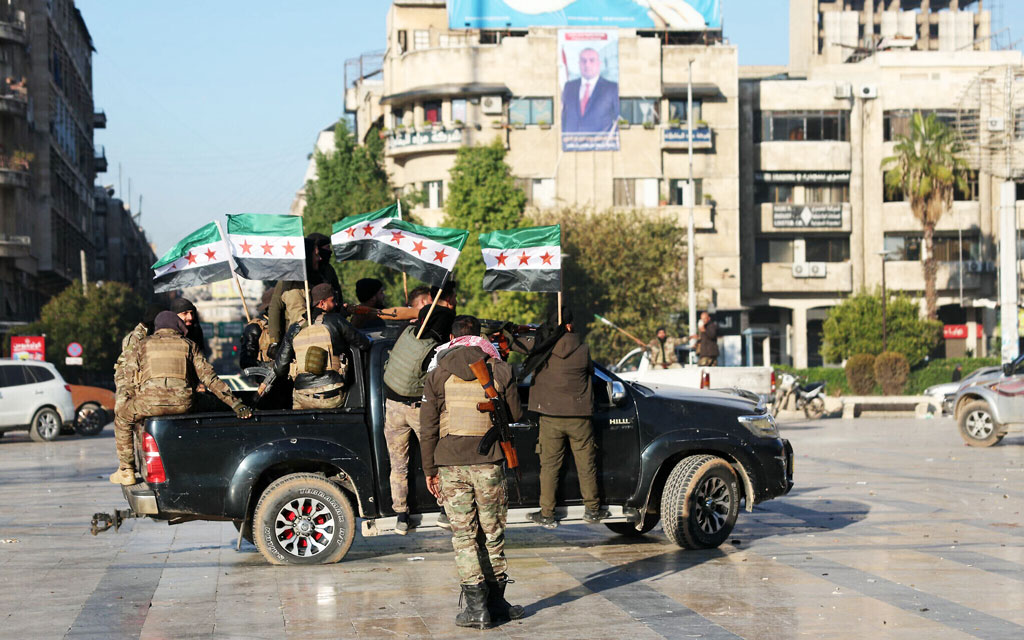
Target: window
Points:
(397, 118)
(774, 193)
(677, 111)
(903, 247)
(421, 39)
(432, 111)
(459, 110)
(540, 192)
(774, 250)
(818, 249)
(530, 110)
(898, 122)
(805, 125)
(13, 375)
(403, 41)
(41, 374)
(639, 110)
(971, 194)
(951, 249)
(826, 193)
(452, 40)
(678, 188)
(433, 194)
(635, 192)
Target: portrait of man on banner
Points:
(589, 76)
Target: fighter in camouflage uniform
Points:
(472, 485)
(123, 435)
(164, 370)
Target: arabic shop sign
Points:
(801, 216)
(416, 139)
(802, 177)
(680, 135)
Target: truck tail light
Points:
(705, 379)
(154, 464)
(773, 382)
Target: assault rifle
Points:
(501, 420)
(269, 377)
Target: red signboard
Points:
(958, 331)
(28, 347)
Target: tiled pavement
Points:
(895, 530)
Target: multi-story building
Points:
(814, 138)
(123, 253)
(443, 88)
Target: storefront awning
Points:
(436, 91)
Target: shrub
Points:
(860, 373)
(891, 371)
(855, 326)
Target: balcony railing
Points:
(14, 246)
(14, 168)
(100, 161)
(12, 27)
(13, 103)
(99, 120)
(815, 277)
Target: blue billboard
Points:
(693, 15)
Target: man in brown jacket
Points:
(562, 394)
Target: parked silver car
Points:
(986, 408)
(945, 393)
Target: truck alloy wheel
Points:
(90, 419)
(45, 425)
(977, 426)
(700, 502)
(303, 519)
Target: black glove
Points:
(242, 411)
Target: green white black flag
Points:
(200, 258)
(267, 247)
(523, 259)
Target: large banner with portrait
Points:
(691, 15)
(588, 72)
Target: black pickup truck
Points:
(293, 482)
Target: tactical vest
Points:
(316, 335)
(294, 301)
(460, 416)
(404, 372)
(164, 357)
(264, 343)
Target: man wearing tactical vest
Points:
(472, 485)
(404, 373)
(288, 298)
(316, 355)
(165, 369)
(255, 342)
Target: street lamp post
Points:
(691, 296)
(885, 296)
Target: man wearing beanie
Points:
(188, 313)
(370, 293)
(166, 368)
(318, 270)
(316, 355)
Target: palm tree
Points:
(926, 169)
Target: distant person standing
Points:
(958, 373)
(663, 350)
(707, 341)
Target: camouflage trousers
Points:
(476, 503)
(307, 398)
(124, 422)
(401, 422)
(707, 361)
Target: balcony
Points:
(677, 137)
(100, 161)
(805, 218)
(777, 277)
(99, 120)
(802, 156)
(14, 169)
(12, 28)
(908, 275)
(14, 103)
(436, 140)
(14, 246)
(898, 216)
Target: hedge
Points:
(920, 378)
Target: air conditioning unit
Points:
(842, 90)
(867, 91)
(996, 124)
(809, 270)
(491, 105)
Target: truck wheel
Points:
(90, 419)
(815, 408)
(977, 426)
(700, 502)
(628, 529)
(303, 519)
(45, 425)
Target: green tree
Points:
(351, 179)
(98, 321)
(628, 267)
(855, 327)
(925, 169)
(483, 197)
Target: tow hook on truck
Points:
(103, 521)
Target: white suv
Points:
(34, 396)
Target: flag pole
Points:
(440, 292)
(231, 265)
(405, 277)
(305, 284)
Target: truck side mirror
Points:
(618, 393)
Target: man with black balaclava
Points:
(255, 342)
(288, 302)
(562, 394)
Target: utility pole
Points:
(85, 277)
(885, 300)
(691, 260)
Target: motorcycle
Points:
(809, 397)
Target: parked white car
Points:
(636, 366)
(34, 396)
(945, 393)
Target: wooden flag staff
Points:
(440, 292)
(405, 277)
(231, 265)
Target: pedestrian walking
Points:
(707, 341)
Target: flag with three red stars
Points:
(200, 258)
(427, 253)
(523, 259)
(267, 247)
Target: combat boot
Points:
(443, 521)
(475, 614)
(499, 608)
(402, 525)
(123, 476)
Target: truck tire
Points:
(700, 502)
(628, 529)
(978, 427)
(45, 425)
(303, 519)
